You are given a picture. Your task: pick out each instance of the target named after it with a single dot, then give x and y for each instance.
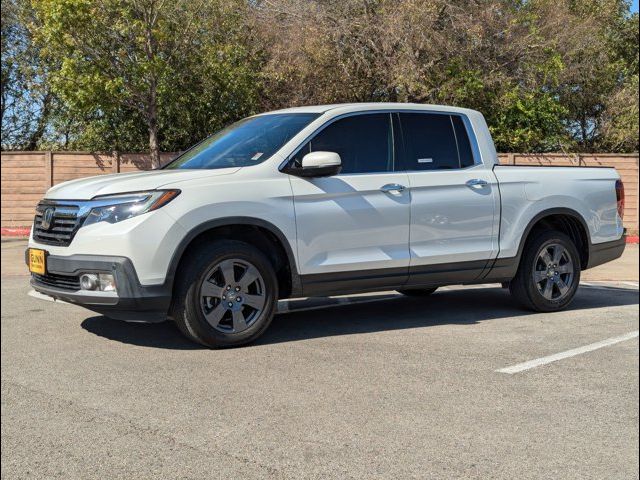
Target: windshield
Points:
(247, 142)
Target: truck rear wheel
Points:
(226, 294)
(549, 273)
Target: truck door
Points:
(454, 199)
(353, 228)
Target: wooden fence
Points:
(26, 176)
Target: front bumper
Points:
(131, 301)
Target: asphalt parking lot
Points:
(392, 388)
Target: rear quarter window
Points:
(464, 145)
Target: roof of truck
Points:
(351, 107)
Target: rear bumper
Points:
(131, 301)
(600, 253)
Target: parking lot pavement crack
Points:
(92, 414)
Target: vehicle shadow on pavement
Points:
(461, 307)
(453, 307)
(155, 335)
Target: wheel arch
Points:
(255, 231)
(565, 220)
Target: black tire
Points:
(531, 293)
(418, 292)
(188, 310)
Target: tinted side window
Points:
(430, 140)
(464, 146)
(364, 143)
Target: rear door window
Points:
(435, 142)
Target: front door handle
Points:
(392, 187)
(477, 183)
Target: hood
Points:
(87, 188)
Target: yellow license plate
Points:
(37, 261)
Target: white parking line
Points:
(609, 284)
(520, 367)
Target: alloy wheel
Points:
(232, 295)
(554, 272)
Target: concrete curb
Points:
(15, 231)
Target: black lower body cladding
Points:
(600, 253)
(133, 301)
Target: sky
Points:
(634, 6)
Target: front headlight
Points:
(116, 208)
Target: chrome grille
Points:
(63, 225)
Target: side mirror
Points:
(320, 164)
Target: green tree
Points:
(27, 101)
(161, 74)
(493, 55)
(620, 124)
(167, 65)
(599, 47)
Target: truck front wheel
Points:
(226, 294)
(549, 273)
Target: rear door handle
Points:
(477, 183)
(392, 187)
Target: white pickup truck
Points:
(318, 201)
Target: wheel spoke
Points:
(255, 301)
(215, 315)
(211, 290)
(239, 322)
(566, 268)
(557, 254)
(228, 273)
(546, 258)
(251, 274)
(539, 276)
(548, 290)
(563, 287)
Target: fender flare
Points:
(504, 269)
(230, 221)
(547, 213)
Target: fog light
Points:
(89, 281)
(103, 282)
(107, 282)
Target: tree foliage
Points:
(161, 74)
(172, 69)
(27, 100)
(545, 73)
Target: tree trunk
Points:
(152, 123)
(154, 149)
(152, 106)
(41, 124)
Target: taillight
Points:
(620, 198)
